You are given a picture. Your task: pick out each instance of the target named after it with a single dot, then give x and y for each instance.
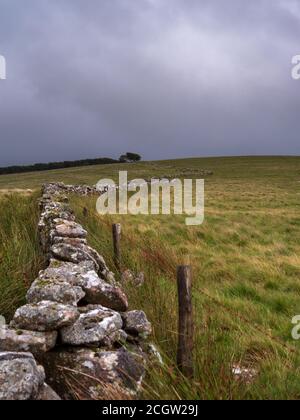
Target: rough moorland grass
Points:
(245, 322)
(245, 258)
(20, 258)
(246, 279)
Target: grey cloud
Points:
(166, 78)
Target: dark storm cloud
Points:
(166, 78)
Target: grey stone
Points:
(26, 341)
(102, 375)
(83, 275)
(74, 253)
(154, 354)
(73, 272)
(127, 277)
(60, 188)
(47, 394)
(130, 277)
(55, 290)
(95, 326)
(20, 377)
(65, 228)
(75, 242)
(137, 324)
(67, 267)
(78, 252)
(45, 316)
(97, 291)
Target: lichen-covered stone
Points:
(67, 229)
(129, 277)
(75, 242)
(20, 377)
(47, 394)
(73, 253)
(83, 275)
(153, 354)
(45, 316)
(67, 267)
(97, 291)
(137, 324)
(77, 253)
(55, 290)
(95, 326)
(60, 188)
(26, 341)
(102, 374)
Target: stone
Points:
(52, 211)
(12, 340)
(140, 279)
(75, 242)
(47, 394)
(96, 326)
(54, 290)
(83, 275)
(103, 269)
(128, 277)
(97, 291)
(74, 253)
(67, 267)
(94, 375)
(68, 229)
(45, 316)
(137, 324)
(154, 354)
(117, 338)
(77, 253)
(243, 374)
(60, 188)
(21, 378)
(49, 214)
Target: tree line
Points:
(129, 157)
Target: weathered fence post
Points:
(117, 229)
(186, 322)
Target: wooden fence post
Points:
(117, 229)
(186, 323)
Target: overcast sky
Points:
(165, 78)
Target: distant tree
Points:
(123, 159)
(134, 157)
(130, 157)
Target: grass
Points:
(246, 266)
(20, 258)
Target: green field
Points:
(245, 259)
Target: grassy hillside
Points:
(277, 170)
(246, 264)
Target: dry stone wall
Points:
(75, 337)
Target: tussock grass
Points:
(20, 258)
(245, 260)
